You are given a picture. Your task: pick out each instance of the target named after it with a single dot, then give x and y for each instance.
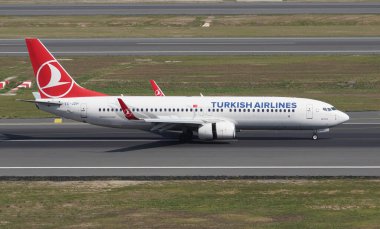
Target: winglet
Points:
(128, 114)
(156, 89)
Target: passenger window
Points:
(268, 110)
(108, 109)
(100, 109)
(271, 110)
(160, 109)
(221, 110)
(191, 109)
(112, 109)
(243, 110)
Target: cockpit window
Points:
(333, 108)
(329, 109)
(325, 109)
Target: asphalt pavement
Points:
(225, 8)
(199, 46)
(41, 148)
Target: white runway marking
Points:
(194, 167)
(361, 123)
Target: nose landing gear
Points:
(316, 132)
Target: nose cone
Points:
(344, 117)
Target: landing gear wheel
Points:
(186, 136)
(315, 137)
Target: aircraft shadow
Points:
(161, 144)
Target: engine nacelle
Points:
(219, 130)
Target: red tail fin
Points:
(52, 79)
(156, 89)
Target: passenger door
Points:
(309, 111)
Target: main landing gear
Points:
(186, 136)
(315, 136)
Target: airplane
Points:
(209, 117)
(157, 90)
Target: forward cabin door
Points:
(309, 111)
(83, 110)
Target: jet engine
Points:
(219, 130)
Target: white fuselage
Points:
(244, 112)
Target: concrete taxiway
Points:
(41, 148)
(199, 46)
(226, 8)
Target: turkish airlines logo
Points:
(52, 80)
(157, 92)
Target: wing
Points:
(165, 123)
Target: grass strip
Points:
(351, 203)
(102, 26)
(350, 83)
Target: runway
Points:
(226, 8)
(40, 148)
(199, 46)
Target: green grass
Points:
(350, 83)
(352, 203)
(101, 26)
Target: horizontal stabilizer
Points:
(48, 103)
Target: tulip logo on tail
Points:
(52, 80)
(158, 92)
